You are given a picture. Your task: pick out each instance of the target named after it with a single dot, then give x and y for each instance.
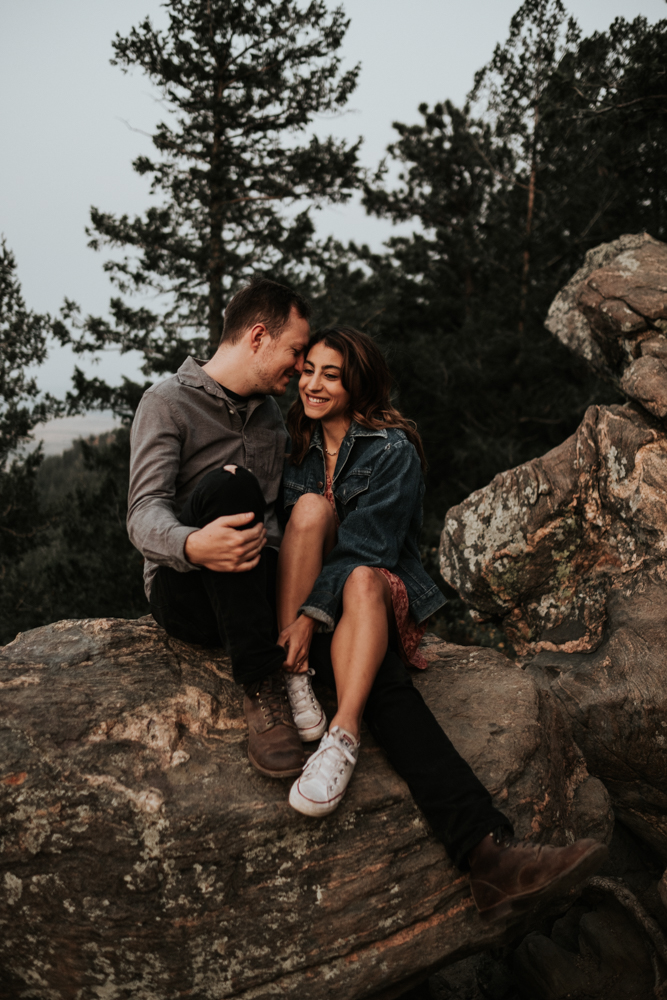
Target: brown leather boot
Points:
(274, 747)
(509, 876)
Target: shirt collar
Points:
(192, 373)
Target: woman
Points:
(349, 561)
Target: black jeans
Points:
(454, 801)
(236, 610)
(208, 608)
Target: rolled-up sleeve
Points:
(152, 523)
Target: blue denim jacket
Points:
(378, 487)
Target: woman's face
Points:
(320, 387)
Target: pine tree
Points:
(587, 119)
(23, 345)
(559, 149)
(233, 179)
(514, 89)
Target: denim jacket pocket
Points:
(355, 483)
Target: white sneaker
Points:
(309, 716)
(326, 775)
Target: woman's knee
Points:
(365, 584)
(312, 511)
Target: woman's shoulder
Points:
(397, 436)
(379, 436)
(396, 440)
(393, 451)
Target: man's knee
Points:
(221, 493)
(312, 511)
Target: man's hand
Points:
(296, 639)
(220, 547)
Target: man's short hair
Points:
(262, 301)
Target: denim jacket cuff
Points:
(319, 615)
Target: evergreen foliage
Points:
(82, 564)
(559, 147)
(233, 179)
(23, 344)
(557, 150)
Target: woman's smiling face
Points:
(321, 389)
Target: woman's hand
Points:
(296, 640)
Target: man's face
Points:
(277, 360)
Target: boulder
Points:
(598, 949)
(542, 546)
(615, 701)
(142, 857)
(568, 551)
(613, 314)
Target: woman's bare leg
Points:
(309, 537)
(360, 643)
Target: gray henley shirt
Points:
(185, 427)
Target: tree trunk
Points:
(216, 216)
(529, 226)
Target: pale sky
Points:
(65, 117)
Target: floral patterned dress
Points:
(409, 633)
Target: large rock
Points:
(613, 313)
(569, 550)
(142, 857)
(615, 701)
(542, 546)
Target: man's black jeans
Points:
(208, 608)
(236, 610)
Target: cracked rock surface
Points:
(569, 550)
(142, 857)
(613, 314)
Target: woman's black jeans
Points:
(236, 610)
(454, 801)
(207, 608)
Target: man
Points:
(208, 446)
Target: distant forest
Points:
(559, 147)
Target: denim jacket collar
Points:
(355, 430)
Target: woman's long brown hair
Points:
(365, 375)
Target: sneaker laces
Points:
(329, 760)
(300, 690)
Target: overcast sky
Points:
(68, 121)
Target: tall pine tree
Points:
(513, 89)
(23, 346)
(235, 173)
(559, 149)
